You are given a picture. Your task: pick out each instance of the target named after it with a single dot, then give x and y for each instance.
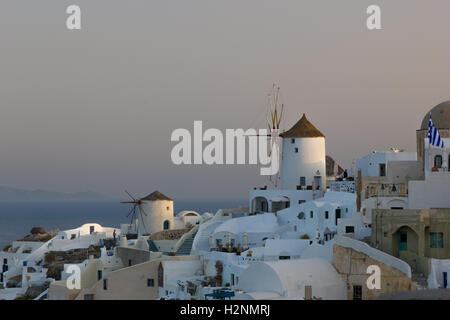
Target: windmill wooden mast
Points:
(273, 100)
(273, 123)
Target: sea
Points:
(17, 218)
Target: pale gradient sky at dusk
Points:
(94, 109)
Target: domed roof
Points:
(440, 115)
(302, 129)
(154, 196)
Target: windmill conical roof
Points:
(302, 129)
(156, 195)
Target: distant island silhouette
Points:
(14, 194)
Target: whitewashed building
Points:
(291, 279)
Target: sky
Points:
(94, 109)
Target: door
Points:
(317, 180)
(444, 275)
(402, 241)
(166, 225)
(382, 169)
(357, 292)
(264, 206)
(91, 229)
(338, 215)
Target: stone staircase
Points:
(185, 248)
(152, 246)
(201, 240)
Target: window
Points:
(296, 150)
(357, 292)
(311, 214)
(382, 169)
(5, 261)
(284, 257)
(129, 262)
(168, 208)
(436, 240)
(73, 236)
(326, 215)
(303, 181)
(160, 275)
(349, 229)
(292, 140)
(218, 242)
(105, 284)
(99, 275)
(438, 161)
(150, 282)
(301, 215)
(88, 297)
(301, 201)
(91, 229)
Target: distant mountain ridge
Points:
(13, 194)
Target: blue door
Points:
(402, 241)
(166, 225)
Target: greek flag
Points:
(433, 135)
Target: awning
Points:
(279, 199)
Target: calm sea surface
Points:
(17, 218)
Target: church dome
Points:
(440, 115)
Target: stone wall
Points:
(55, 260)
(168, 234)
(352, 266)
(418, 224)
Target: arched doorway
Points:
(260, 204)
(166, 225)
(396, 204)
(405, 242)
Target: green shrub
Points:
(25, 297)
